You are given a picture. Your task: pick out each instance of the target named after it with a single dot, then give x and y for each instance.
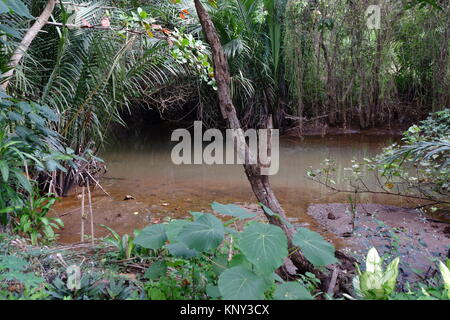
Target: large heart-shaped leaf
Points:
(180, 250)
(152, 237)
(291, 291)
(264, 245)
(173, 229)
(203, 234)
(315, 248)
(239, 283)
(232, 210)
(212, 291)
(196, 215)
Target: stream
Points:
(139, 165)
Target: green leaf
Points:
(445, 273)
(239, 283)
(315, 248)
(47, 112)
(4, 169)
(12, 263)
(196, 215)
(212, 291)
(14, 116)
(220, 264)
(8, 30)
(142, 13)
(51, 165)
(268, 211)
(232, 210)
(3, 7)
(156, 270)
(8, 209)
(240, 260)
(180, 250)
(173, 229)
(390, 276)
(203, 234)
(19, 8)
(24, 106)
(291, 291)
(23, 181)
(156, 294)
(152, 237)
(23, 132)
(36, 119)
(264, 245)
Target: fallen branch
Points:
(103, 28)
(333, 280)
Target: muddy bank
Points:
(419, 238)
(323, 131)
(394, 231)
(154, 200)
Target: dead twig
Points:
(332, 285)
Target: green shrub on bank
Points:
(197, 258)
(29, 151)
(226, 263)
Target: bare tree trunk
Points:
(374, 108)
(27, 39)
(259, 183)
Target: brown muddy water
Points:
(140, 165)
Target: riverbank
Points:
(393, 230)
(325, 130)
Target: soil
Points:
(393, 231)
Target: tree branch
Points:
(27, 39)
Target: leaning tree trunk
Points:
(259, 183)
(27, 39)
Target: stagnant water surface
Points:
(140, 165)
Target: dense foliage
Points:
(318, 61)
(195, 258)
(29, 151)
(304, 62)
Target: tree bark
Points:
(27, 39)
(259, 183)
